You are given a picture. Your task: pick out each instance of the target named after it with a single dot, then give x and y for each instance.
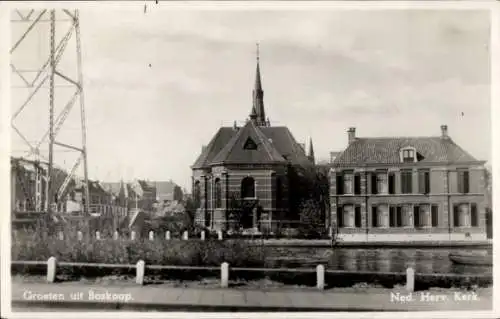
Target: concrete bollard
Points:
(97, 235)
(224, 275)
(219, 234)
(51, 269)
(132, 235)
(151, 235)
(202, 235)
(167, 235)
(330, 232)
(139, 272)
(410, 279)
(80, 235)
(185, 235)
(320, 277)
(60, 235)
(115, 235)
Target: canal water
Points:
(429, 260)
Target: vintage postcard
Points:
(265, 158)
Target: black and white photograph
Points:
(250, 157)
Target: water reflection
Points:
(386, 260)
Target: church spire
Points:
(311, 151)
(258, 96)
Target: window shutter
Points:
(421, 182)
(455, 215)
(427, 182)
(473, 215)
(466, 182)
(416, 216)
(340, 217)
(460, 181)
(340, 184)
(392, 216)
(357, 216)
(391, 181)
(374, 183)
(402, 175)
(434, 212)
(399, 219)
(374, 216)
(357, 184)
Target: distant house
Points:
(168, 191)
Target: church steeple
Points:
(258, 97)
(311, 151)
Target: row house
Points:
(407, 188)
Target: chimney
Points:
(444, 131)
(351, 134)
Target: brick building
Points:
(407, 188)
(248, 167)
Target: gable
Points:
(249, 146)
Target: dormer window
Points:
(408, 155)
(250, 144)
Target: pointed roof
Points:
(249, 146)
(311, 150)
(258, 97)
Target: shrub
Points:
(34, 246)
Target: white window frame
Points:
(348, 177)
(350, 216)
(406, 149)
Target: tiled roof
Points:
(235, 153)
(279, 137)
(221, 138)
(165, 190)
(385, 150)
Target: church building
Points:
(242, 178)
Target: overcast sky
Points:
(159, 84)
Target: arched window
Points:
(197, 193)
(218, 193)
(248, 187)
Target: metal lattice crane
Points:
(42, 86)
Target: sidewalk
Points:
(132, 298)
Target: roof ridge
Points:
(231, 143)
(264, 140)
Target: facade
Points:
(407, 188)
(245, 171)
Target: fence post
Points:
(80, 235)
(60, 235)
(202, 235)
(97, 235)
(139, 272)
(151, 235)
(185, 235)
(132, 235)
(167, 235)
(410, 279)
(224, 275)
(115, 235)
(51, 269)
(320, 277)
(219, 234)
